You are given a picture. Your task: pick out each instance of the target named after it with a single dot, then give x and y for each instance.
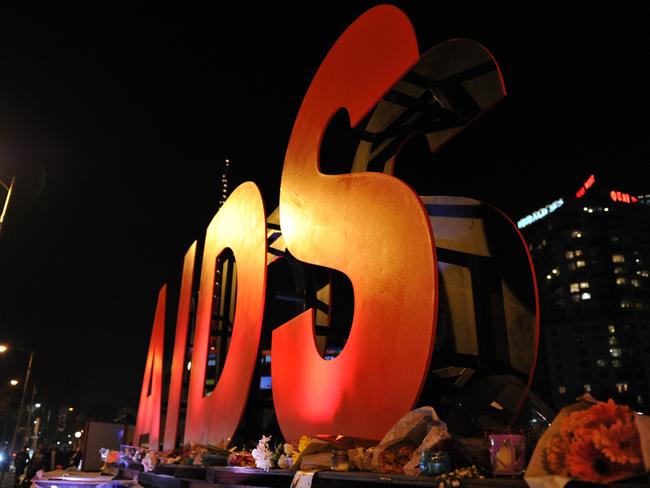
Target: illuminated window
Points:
(618, 258)
(578, 253)
(571, 266)
(625, 304)
(576, 234)
(619, 270)
(635, 283)
(555, 271)
(574, 288)
(569, 254)
(548, 277)
(621, 280)
(581, 264)
(639, 398)
(617, 363)
(584, 284)
(615, 352)
(587, 387)
(586, 296)
(575, 298)
(613, 341)
(611, 329)
(643, 273)
(601, 363)
(561, 389)
(637, 260)
(621, 387)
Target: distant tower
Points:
(223, 302)
(223, 187)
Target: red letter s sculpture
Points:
(359, 224)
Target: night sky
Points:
(118, 126)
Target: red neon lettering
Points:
(588, 184)
(241, 226)
(618, 196)
(148, 421)
(370, 221)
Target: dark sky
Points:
(131, 115)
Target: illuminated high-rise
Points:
(592, 257)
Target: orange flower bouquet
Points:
(591, 441)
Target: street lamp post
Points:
(30, 414)
(22, 402)
(9, 188)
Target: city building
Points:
(591, 252)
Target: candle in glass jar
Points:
(340, 460)
(507, 454)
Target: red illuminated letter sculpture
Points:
(373, 228)
(241, 226)
(148, 421)
(180, 345)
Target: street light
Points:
(9, 189)
(13, 382)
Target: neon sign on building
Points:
(540, 214)
(587, 184)
(618, 196)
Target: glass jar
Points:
(340, 460)
(434, 462)
(507, 454)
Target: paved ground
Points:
(8, 481)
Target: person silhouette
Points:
(20, 463)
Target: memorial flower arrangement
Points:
(282, 456)
(284, 453)
(600, 443)
(263, 454)
(303, 443)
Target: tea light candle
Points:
(507, 454)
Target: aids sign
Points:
(423, 271)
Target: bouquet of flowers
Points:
(280, 457)
(263, 454)
(591, 441)
(110, 458)
(242, 459)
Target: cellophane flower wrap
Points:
(593, 441)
